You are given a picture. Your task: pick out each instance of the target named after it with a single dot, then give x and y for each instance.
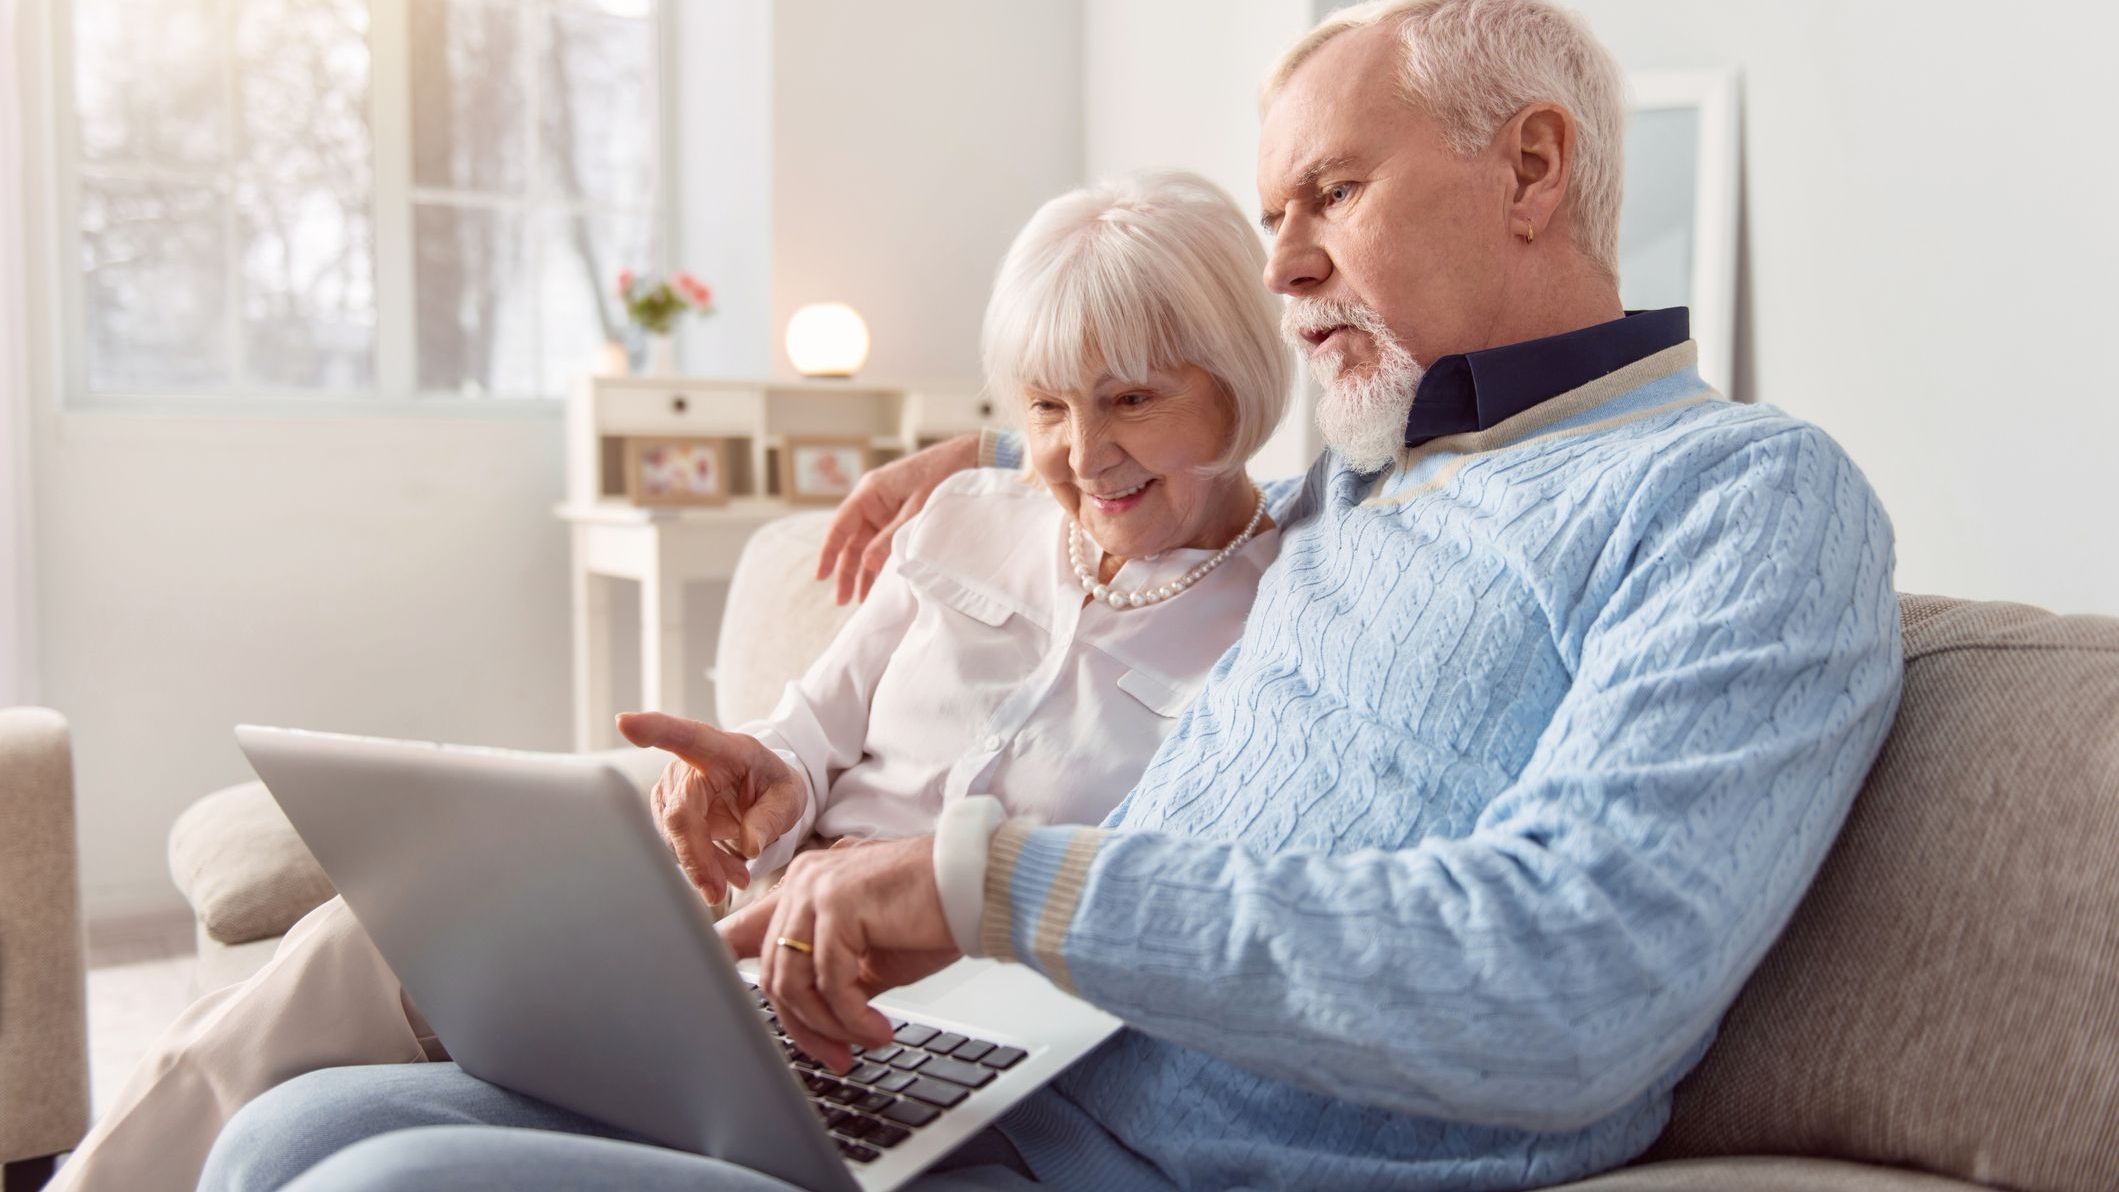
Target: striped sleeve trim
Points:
(1034, 881)
(999, 449)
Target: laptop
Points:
(537, 919)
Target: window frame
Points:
(394, 391)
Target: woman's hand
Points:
(881, 501)
(872, 917)
(721, 802)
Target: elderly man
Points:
(1541, 724)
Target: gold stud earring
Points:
(1530, 232)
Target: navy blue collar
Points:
(1474, 390)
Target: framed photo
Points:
(821, 471)
(1678, 226)
(688, 471)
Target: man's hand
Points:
(722, 800)
(884, 499)
(872, 917)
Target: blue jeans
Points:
(435, 1126)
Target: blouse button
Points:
(994, 743)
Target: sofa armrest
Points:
(43, 981)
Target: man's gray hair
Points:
(1474, 64)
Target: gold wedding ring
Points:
(801, 946)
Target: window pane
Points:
(581, 257)
(476, 310)
(469, 101)
(302, 200)
(150, 81)
(600, 108)
(154, 277)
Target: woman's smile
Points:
(1118, 501)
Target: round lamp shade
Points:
(827, 339)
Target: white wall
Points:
(404, 575)
(1929, 264)
(393, 576)
(1175, 84)
(18, 662)
(911, 141)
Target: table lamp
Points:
(827, 339)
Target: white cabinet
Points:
(664, 549)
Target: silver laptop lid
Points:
(564, 897)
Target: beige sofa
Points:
(1942, 1013)
(43, 994)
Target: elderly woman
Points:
(1037, 633)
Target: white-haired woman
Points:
(1035, 637)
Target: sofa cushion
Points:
(1764, 1174)
(1947, 996)
(241, 866)
(778, 618)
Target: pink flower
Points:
(695, 292)
(625, 282)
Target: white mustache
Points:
(1321, 314)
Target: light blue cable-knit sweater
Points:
(1528, 751)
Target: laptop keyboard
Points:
(893, 1090)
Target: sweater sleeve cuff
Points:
(1035, 875)
(962, 834)
(1000, 448)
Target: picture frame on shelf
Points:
(677, 471)
(821, 470)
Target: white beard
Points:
(1361, 417)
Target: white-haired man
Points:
(1564, 680)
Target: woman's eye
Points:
(1131, 400)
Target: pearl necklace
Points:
(1156, 595)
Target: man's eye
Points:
(1338, 194)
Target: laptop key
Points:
(895, 1082)
(908, 1059)
(1003, 1058)
(972, 1050)
(866, 1073)
(874, 1101)
(937, 1092)
(847, 1093)
(944, 1044)
(971, 1076)
(913, 1034)
(856, 1125)
(912, 1113)
(881, 1055)
(886, 1135)
(836, 1117)
(858, 1153)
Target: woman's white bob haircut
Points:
(1138, 274)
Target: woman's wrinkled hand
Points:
(858, 543)
(722, 800)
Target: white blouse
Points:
(975, 668)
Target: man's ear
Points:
(1538, 144)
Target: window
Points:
(359, 197)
